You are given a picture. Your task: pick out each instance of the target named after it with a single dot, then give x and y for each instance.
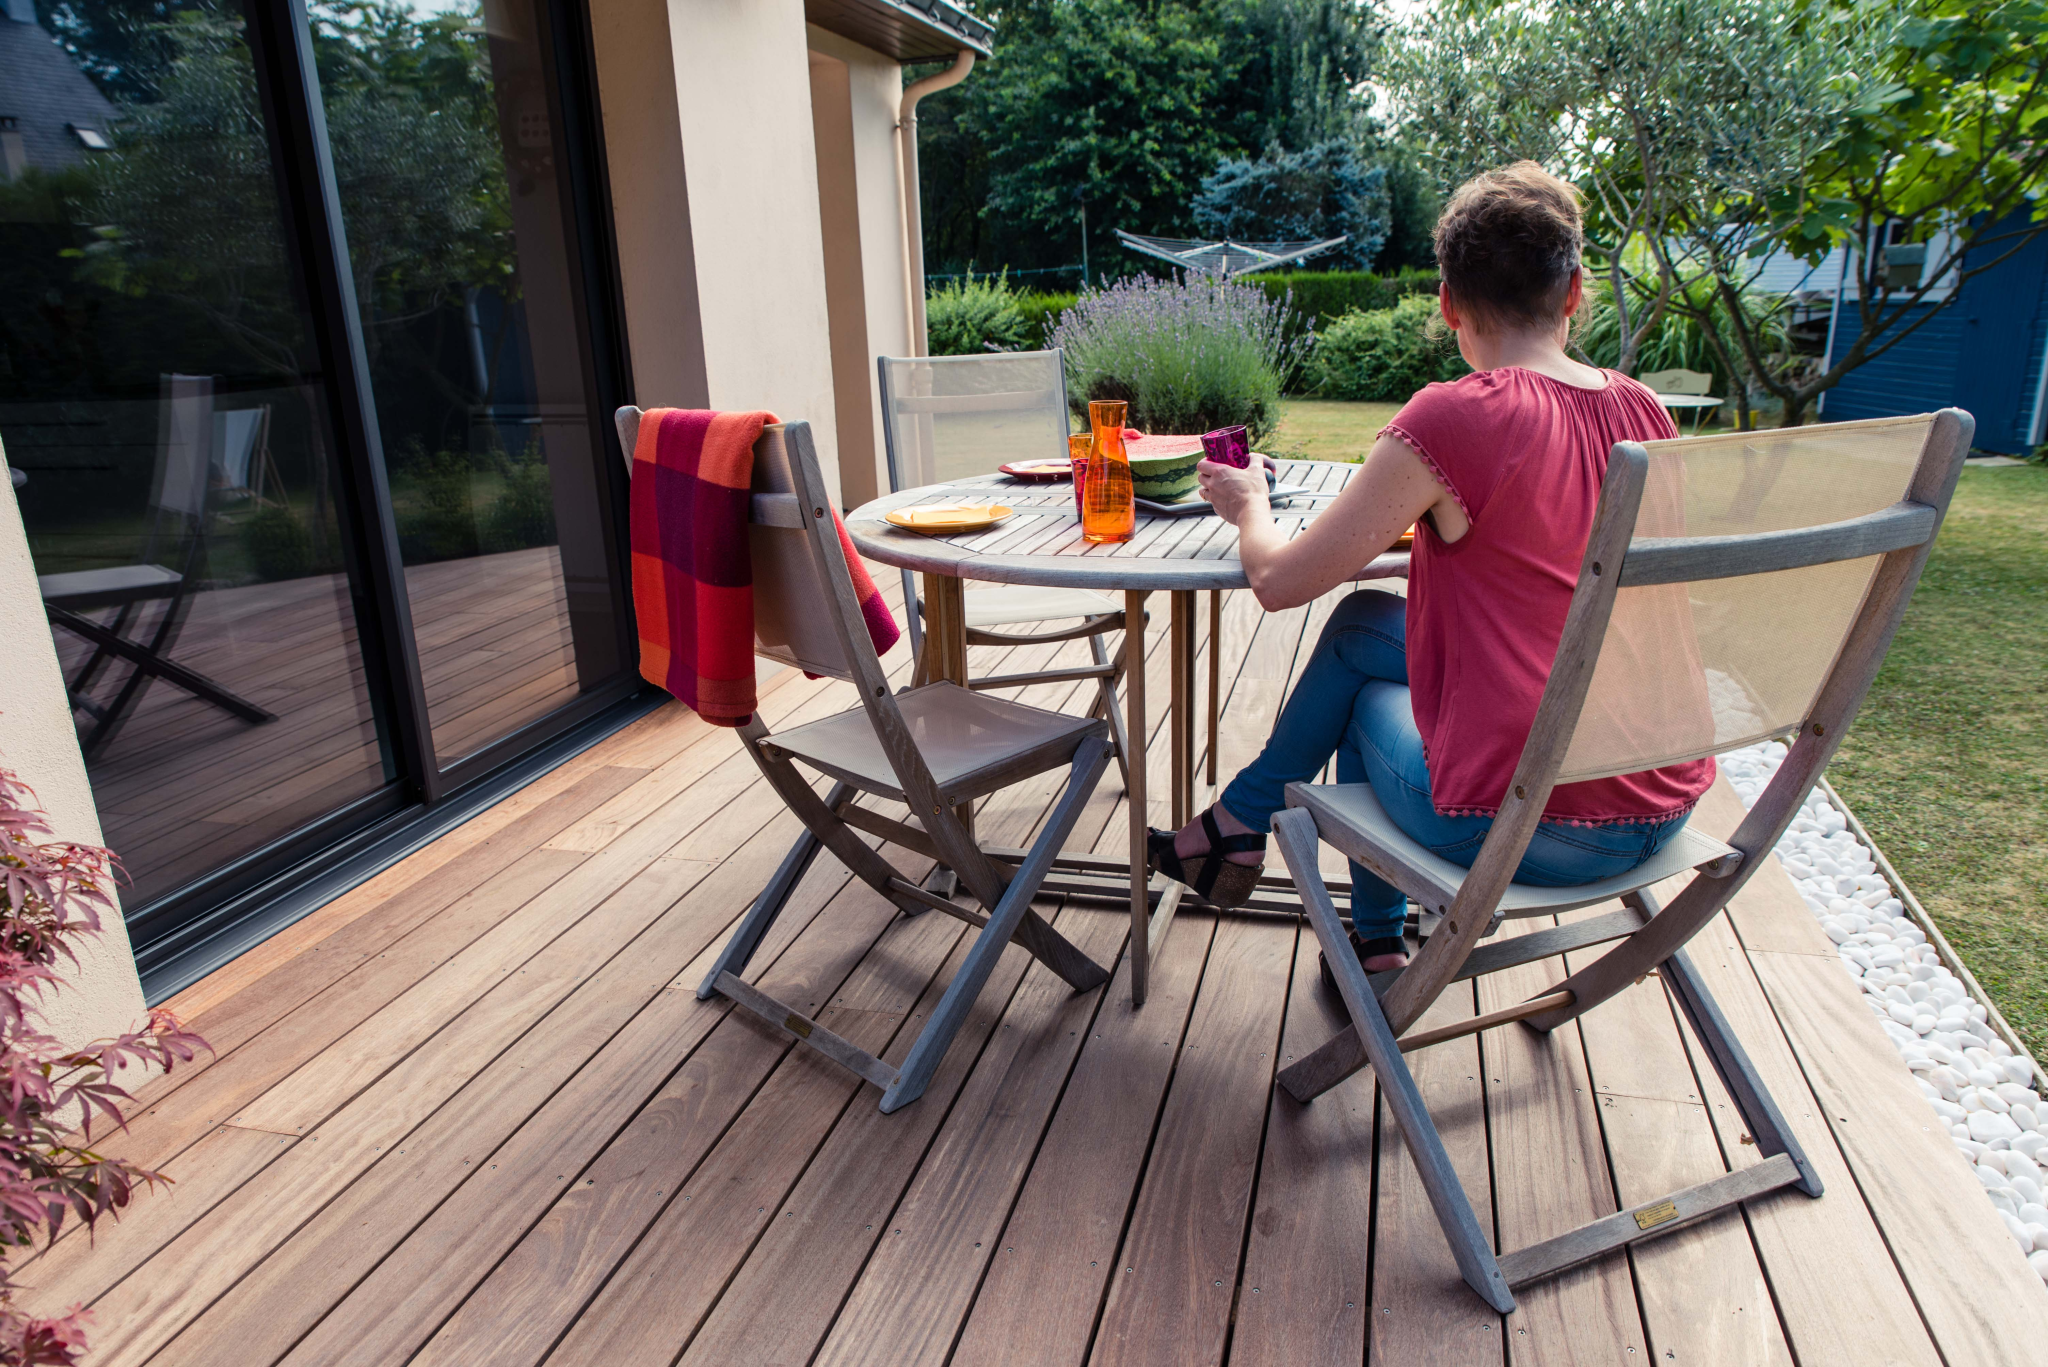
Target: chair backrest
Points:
(1678, 381)
(1751, 563)
(945, 417)
(791, 581)
(184, 447)
(236, 435)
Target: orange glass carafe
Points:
(1109, 511)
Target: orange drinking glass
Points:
(1077, 460)
(1109, 511)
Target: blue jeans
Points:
(1352, 702)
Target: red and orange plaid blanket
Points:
(693, 580)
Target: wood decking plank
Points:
(1702, 1288)
(943, 1232)
(1422, 1311)
(1804, 1243)
(1175, 1280)
(1550, 1175)
(673, 1096)
(1311, 1237)
(1041, 1294)
(239, 1232)
(1928, 1203)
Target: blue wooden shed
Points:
(1985, 349)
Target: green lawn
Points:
(1325, 429)
(1948, 763)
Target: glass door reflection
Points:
(167, 424)
(448, 164)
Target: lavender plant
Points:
(1188, 354)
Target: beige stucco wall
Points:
(101, 995)
(875, 94)
(707, 119)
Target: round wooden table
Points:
(1042, 545)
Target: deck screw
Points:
(1596, 567)
(1519, 792)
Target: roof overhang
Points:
(908, 30)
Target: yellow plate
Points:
(948, 519)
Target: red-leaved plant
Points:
(53, 893)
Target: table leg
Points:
(1182, 643)
(1134, 727)
(1215, 674)
(945, 629)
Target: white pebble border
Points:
(1984, 1092)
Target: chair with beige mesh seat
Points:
(935, 748)
(1734, 588)
(946, 417)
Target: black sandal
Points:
(1364, 949)
(1219, 881)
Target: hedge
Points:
(1325, 296)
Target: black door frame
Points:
(186, 933)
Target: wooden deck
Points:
(473, 1112)
(184, 787)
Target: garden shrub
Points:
(1322, 297)
(1384, 355)
(969, 316)
(277, 544)
(1678, 342)
(53, 894)
(524, 514)
(432, 504)
(1041, 312)
(1188, 354)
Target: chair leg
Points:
(1745, 1087)
(1296, 832)
(1106, 707)
(746, 939)
(1004, 920)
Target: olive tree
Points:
(1664, 112)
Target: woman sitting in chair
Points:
(1430, 698)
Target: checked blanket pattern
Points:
(693, 580)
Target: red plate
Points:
(1040, 471)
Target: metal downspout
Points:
(913, 207)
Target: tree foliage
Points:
(1713, 135)
(1314, 195)
(1667, 113)
(186, 207)
(1120, 111)
(1946, 144)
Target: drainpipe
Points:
(913, 209)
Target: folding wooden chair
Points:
(1704, 619)
(948, 416)
(936, 748)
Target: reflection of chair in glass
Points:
(945, 417)
(179, 506)
(241, 458)
(937, 748)
(1699, 625)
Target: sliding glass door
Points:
(305, 346)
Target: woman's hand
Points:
(1234, 492)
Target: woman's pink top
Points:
(1524, 455)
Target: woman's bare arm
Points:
(1382, 500)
